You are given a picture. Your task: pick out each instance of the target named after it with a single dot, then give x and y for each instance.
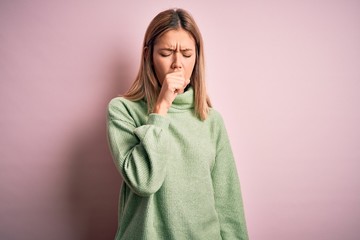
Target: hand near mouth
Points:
(174, 83)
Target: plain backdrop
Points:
(285, 75)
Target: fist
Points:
(173, 84)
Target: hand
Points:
(173, 84)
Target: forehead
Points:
(174, 38)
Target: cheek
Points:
(190, 68)
(159, 69)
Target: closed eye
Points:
(187, 53)
(165, 54)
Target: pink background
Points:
(284, 74)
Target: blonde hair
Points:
(146, 86)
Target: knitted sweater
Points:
(180, 178)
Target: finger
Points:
(178, 74)
(175, 82)
(180, 82)
(171, 82)
(176, 87)
(174, 76)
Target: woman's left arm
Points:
(227, 193)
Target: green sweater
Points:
(180, 178)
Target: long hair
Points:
(146, 85)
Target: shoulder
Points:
(215, 117)
(218, 128)
(218, 121)
(120, 102)
(120, 107)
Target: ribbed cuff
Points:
(158, 120)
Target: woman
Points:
(170, 146)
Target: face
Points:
(174, 51)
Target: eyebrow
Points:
(172, 49)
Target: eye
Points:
(165, 54)
(187, 53)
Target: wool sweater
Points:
(179, 174)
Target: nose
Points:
(177, 61)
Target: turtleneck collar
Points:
(183, 101)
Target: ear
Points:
(146, 54)
(146, 51)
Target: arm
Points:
(140, 153)
(227, 193)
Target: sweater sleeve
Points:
(227, 193)
(139, 152)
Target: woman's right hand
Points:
(173, 84)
